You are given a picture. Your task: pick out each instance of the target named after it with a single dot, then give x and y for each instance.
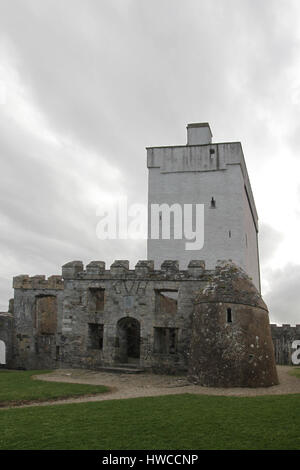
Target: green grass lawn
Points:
(19, 387)
(168, 422)
(295, 371)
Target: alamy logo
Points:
(296, 354)
(177, 222)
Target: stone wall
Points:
(283, 337)
(37, 321)
(93, 317)
(135, 303)
(231, 343)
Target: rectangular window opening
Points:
(165, 340)
(166, 301)
(95, 336)
(46, 314)
(96, 299)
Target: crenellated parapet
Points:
(223, 274)
(24, 281)
(143, 269)
(285, 329)
(71, 269)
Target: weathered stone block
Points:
(143, 267)
(170, 266)
(196, 267)
(20, 281)
(119, 267)
(71, 269)
(95, 267)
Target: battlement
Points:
(143, 268)
(285, 328)
(119, 269)
(24, 281)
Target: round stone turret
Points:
(231, 343)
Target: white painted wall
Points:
(198, 134)
(192, 174)
(2, 352)
(251, 253)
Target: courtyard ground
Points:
(122, 386)
(149, 411)
(18, 387)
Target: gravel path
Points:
(124, 386)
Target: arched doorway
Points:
(2, 353)
(128, 341)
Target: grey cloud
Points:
(5, 293)
(146, 68)
(284, 298)
(269, 241)
(118, 75)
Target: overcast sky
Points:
(86, 85)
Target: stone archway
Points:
(2, 353)
(128, 341)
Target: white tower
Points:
(215, 175)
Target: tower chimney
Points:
(198, 134)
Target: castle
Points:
(179, 311)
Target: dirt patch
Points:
(41, 401)
(122, 386)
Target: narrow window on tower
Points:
(229, 315)
(212, 203)
(229, 233)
